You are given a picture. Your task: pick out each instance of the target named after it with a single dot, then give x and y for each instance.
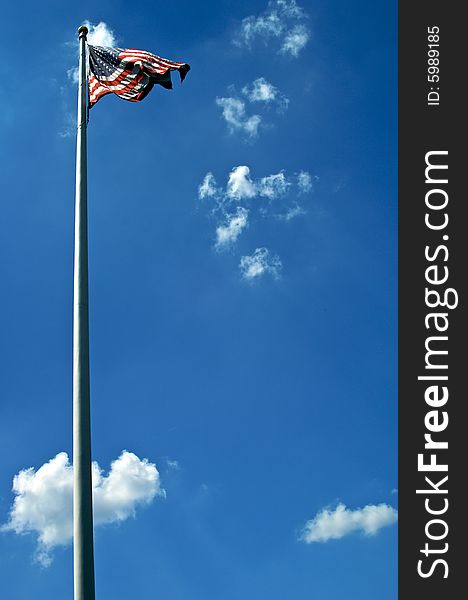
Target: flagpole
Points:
(82, 485)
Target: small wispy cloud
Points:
(244, 198)
(228, 233)
(261, 262)
(295, 40)
(43, 503)
(242, 187)
(235, 114)
(304, 182)
(273, 186)
(69, 126)
(100, 34)
(291, 213)
(337, 523)
(72, 74)
(265, 92)
(234, 107)
(207, 188)
(283, 21)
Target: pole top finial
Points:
(82, 31)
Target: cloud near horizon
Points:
(336, 524)
(43, 502)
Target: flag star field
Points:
(243, 301)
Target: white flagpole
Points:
(82, 485)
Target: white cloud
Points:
(240, 185)
(335, 524)
(266, 26)
(295, 40)
(100, 34)
(234, 110)
(276, 196)
(207, 188)
(291, 213)
(261, 91)
(234, 114)
(228, 233)
(259, 263)
(265, 92)
(43, 501)
(304, 182)
(290, 9)
(273, 186)
(282, 20)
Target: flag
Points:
(128, 73)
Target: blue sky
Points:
(243, 333)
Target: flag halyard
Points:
(128, 73)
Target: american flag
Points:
(128, 73)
